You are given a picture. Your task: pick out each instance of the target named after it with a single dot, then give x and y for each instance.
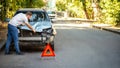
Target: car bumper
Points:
(35, 40)
(32, 38)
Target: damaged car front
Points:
(41, 22)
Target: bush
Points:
(110, 11)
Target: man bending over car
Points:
(13, 32)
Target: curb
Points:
(3, 37)
(107, 29)
(71, 20)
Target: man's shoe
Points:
(20, 53)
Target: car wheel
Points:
(52, 45)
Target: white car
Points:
(52, 14)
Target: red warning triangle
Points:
(48, 52)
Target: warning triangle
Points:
(48, 52)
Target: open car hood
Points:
(38, 26)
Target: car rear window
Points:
(50, 12)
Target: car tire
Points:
(52, 45)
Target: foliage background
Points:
(108, 10)
(8, 7)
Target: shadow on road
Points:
(25, 49)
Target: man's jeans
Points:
(12, 35)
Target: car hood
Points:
(38, 26)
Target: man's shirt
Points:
(18, 19)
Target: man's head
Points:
(29, 14)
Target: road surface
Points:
(74, 48)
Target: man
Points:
(13, 32)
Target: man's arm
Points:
(29, 26)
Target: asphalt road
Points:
(74, 48)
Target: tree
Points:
(34, 3)
(76, 8)
(61, 5)
(10, 6)
(73, 7)
(84, 8)
(110, 11)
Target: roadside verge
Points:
(107, 28)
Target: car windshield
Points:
(36, 16)
(38, 21)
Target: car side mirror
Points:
(51, 20)
(7, 19)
